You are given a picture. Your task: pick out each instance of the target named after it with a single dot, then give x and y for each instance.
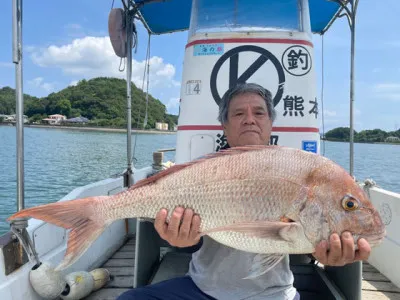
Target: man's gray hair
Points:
(241, 89)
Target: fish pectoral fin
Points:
(282, 231)
(262, 263)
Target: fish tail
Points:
(77, 215)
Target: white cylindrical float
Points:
(47, 282)
(81, 284)
(51, 284)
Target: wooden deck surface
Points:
(121, 267)
(375, 286)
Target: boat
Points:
(228, 42)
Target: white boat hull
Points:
(51, 242)
(385, 257)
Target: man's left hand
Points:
(341, 251)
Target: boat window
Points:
(241, 15)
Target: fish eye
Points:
(349, 203)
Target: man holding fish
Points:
(217, 271)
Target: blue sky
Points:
(65, 41)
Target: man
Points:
(216, 271)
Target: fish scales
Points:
(229, 194)
(191, 187)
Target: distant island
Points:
(99, 102)
(342, 134)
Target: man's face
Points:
(248, 121)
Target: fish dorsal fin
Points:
(157, 176)
(176, 168)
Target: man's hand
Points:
(175, 233)
(341, 251)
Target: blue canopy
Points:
(174, 15)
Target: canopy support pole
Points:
(351, 273)
(129, 20)
(350, 13)
(18, 226)
(131, 9)
(354, 4)
(17, 60)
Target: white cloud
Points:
(387, 87)
(393, 43)
(6, 65)
(30, 48)
(74, 30)
(73, 26)
(91, 57)
(394, 97)
(329, 113)
(172, 104)
(39, 83)
(73, 83)
(387, 91)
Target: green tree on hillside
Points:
(63, 106)
(102, 100)
(35, 107)
(394, 133)
(339, 134)
(372, 136)
(7, 101)
(364, 136)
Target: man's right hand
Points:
(175, 233)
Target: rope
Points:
(368, 184)
(322, 95)
(146, 68)
(134, 45)
(148, 76)
(144, 76)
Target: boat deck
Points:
(121, 267)
(375, 286)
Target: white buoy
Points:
(48, 283)
(80, 284)
(101, 277)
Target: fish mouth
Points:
(374, 239)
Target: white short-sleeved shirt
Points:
(219, 270)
